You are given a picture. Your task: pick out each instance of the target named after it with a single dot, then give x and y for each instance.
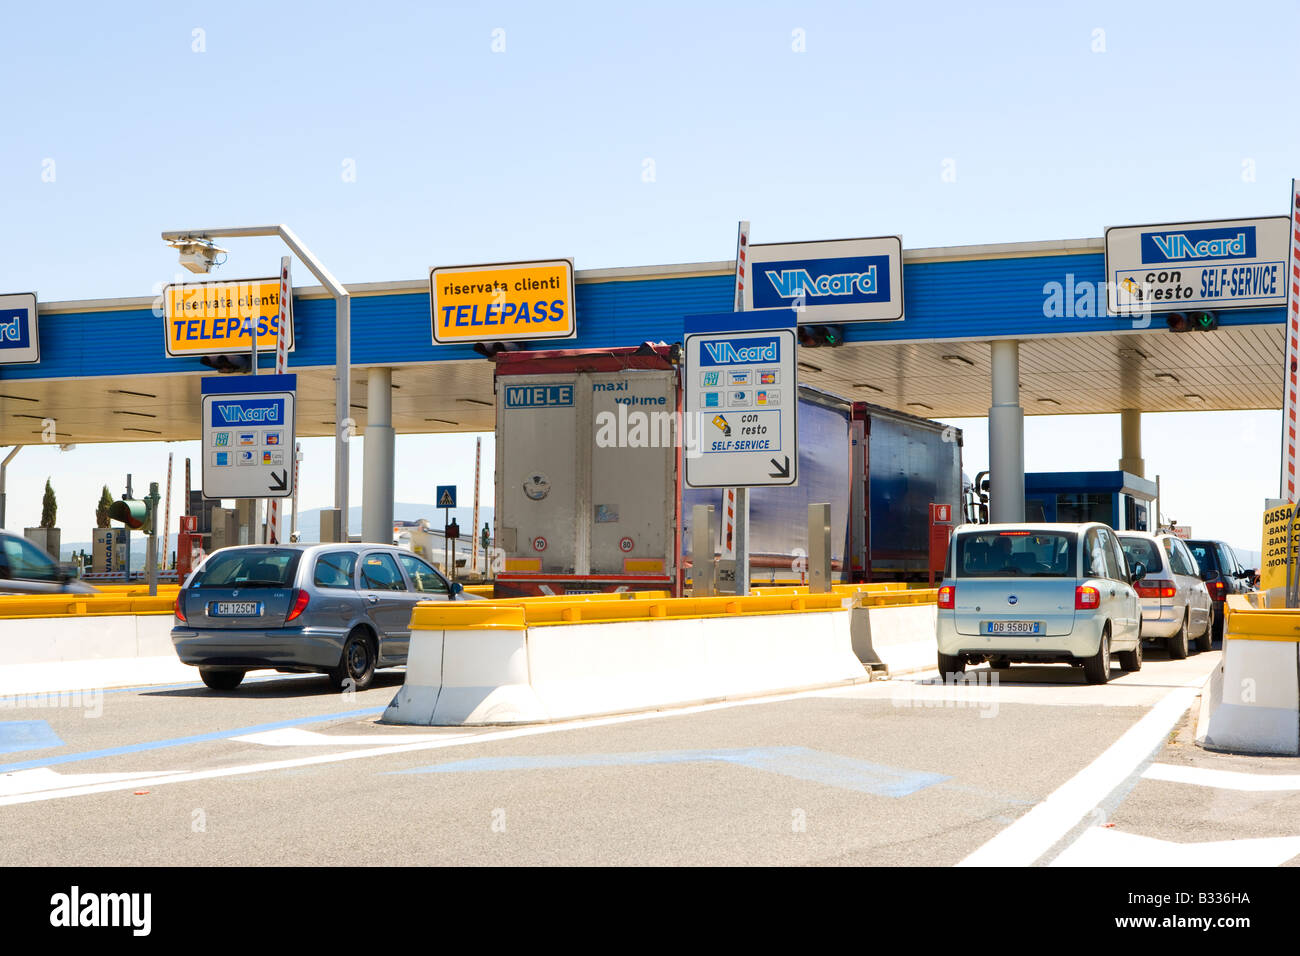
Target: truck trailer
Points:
(590, 495)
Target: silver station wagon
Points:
(337, 609)
(1047, 593)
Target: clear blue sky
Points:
(466, 154)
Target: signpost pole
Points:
(281, 361)
(741, 538)
(473, 537)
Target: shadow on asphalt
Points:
(281, 686)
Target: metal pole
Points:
(377, 467)
(167, 511)
(4, 465)
(742, 494)
(473, 537)
(293, 528)
(342, 341)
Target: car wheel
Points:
(950, 667)
(1177, 644)
(357, 664)
(221, 680)
(1131, 660)
(1096, 669)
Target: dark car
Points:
(1223, 575)
(336, 609)
(26, 569)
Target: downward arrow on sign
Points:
(782, 471)
(279, 482)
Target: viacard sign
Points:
(842, 280)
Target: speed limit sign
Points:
(539, 543)
(626, 544)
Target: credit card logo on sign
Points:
(221, 459)
(272, 438)
(709, 379)
(712, 399)
(1189, 245)
(248, 438)
(767, 377)
(748, 351)
(247, 458)
(221, 439)
(739, 378)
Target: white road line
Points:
(1037, 831)
(431, 744)
(298, 737)
(1107, 847)
(47, 778)
(1223, 779)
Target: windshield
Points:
(249, 568)
(1142, 551)
(996, 554)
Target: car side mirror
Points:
(1138, 572)
(454, 588)
(1247, 574)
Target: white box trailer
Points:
(587, 469)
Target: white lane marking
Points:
(47, 778)
(298, 737)
(1223, 779)
(469, 737)
(1038, 830)
(1107, 847)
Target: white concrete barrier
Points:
(900, 637)
(543, 660)
(1257, 710)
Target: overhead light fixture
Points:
(1194, 398)
(865, 385)
(1049, 401)
(1132, 351)
(198, 254)
(137, 414)
(20, 398)
(920, 405)
(123, 391)
(475, 401)
(147, 431)
(39, 418)
(809, 367)
(958, 360)
(442, 421)
(1167, 376)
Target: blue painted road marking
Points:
(18, 735)
(183, 741)
(802, 763)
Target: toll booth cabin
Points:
(1117, 498)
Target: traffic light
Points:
(226, 364)
(490, 349)
(132, 512)
(1199, 321)
(816, 336)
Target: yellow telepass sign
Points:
(211, 318)
(507, 301)
(1272, 560)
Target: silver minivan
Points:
(336, 609)
(1176, 605)
(1046, 593)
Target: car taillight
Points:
(300, 599)
(1086, 598)
(179, 607)
(947, 597)
(1216, 589)
(1155, 588)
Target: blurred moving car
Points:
(337, 609)
(1223, 575)
(1176, 605)
(1046, 593)
(26, 569)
